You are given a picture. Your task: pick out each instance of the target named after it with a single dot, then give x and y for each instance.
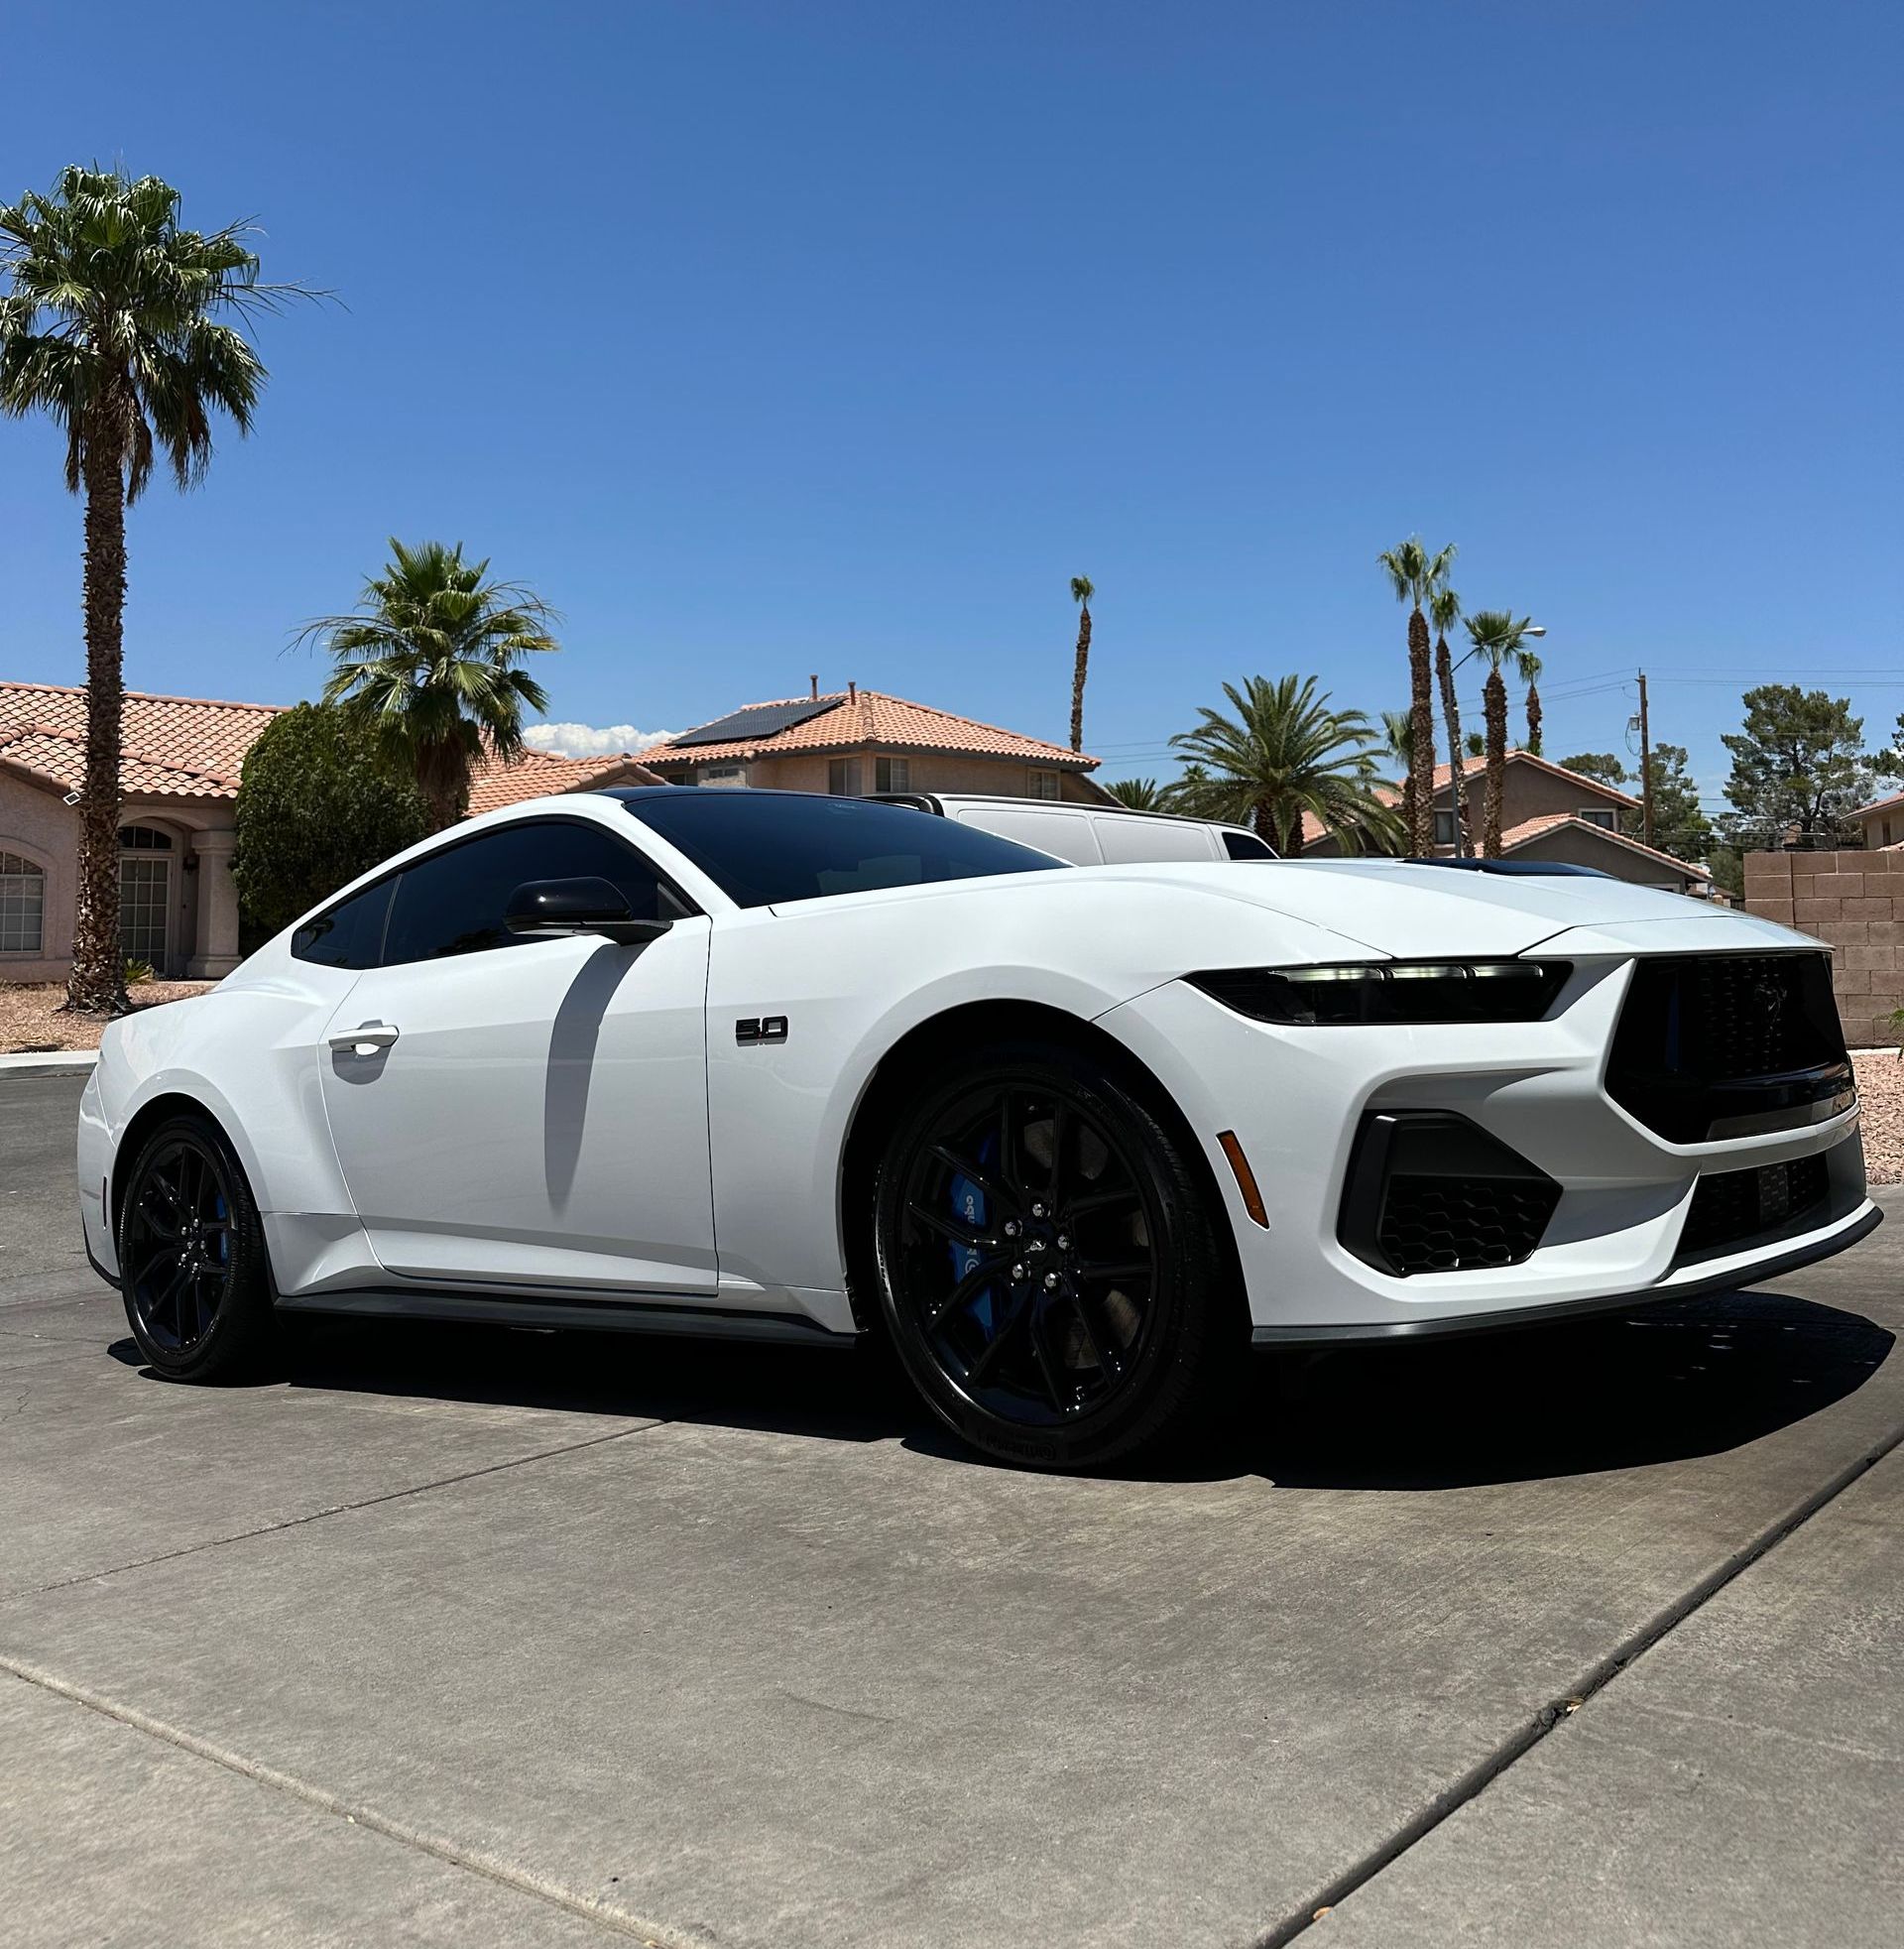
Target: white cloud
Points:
(590, 740)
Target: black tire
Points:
(1047, 1265)
(193, 1269)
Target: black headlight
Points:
(1374, 992)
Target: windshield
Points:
(765, 848)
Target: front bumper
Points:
(1296, 1097)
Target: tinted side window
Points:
(452, 903)
(1246, 846)
(351, 934)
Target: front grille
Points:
(1716, 1046)
(1448, 1224)
(1430, 1192)
(1731, 1208)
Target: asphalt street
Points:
(1580, 1636)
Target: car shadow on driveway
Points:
(1623, 1390)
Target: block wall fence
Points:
(1854, 903)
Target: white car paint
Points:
(572, 1118)
(1094, 835)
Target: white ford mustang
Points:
(805, 1069)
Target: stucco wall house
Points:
(857, 742)
(1552, 814)
(178, 906)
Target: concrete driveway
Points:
(468, 1636)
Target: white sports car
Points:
(808, 1068)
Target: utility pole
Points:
(1645, 766)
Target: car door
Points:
(515, 1112)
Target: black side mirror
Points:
(547, 908)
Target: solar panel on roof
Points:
(756, 721)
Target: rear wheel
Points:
(192, 1256)
(1047, 1267)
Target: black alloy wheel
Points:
(191, 1261)
(1046, 1262)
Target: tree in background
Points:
(113, 330)
(429, 658)
(1284, 752)
(1081, 594)
(1605, 766)
(1444, 611)
(1397, 748)
(1798, 770)
(1498, 637)
(318, 804)
(1530, 670)
(1414, 574)
(1138, 795)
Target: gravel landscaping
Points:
(1880, 1084)
(29, 1021)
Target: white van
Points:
(1092, 835)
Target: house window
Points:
(1886, 840)
(722, 774)
(144, 839)
(1444, 828)
(23, 904)
(843, 777)
(1603, 816)
(1046, 784)
(892, 775)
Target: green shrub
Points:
(318, 805)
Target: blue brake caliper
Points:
(968, 1203)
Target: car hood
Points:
(1405, 909)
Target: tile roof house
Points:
(1548, 812)
(855, 741)
(1881, 822)
(178, 907)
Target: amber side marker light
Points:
(1245, 1178)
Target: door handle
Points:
(365, 1040)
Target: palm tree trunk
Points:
(97, 983)
(1421, 735)
(1451, 711)
(1494, 698)
(442, 776)
(1533, 718)
(1077, 675)
(1264, 820)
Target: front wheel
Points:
(191, 1256)
(1047, 1267)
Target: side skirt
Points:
(598, 1316)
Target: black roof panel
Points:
(756, 721)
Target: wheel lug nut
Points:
(1050, 1281)
(1064, 1242)
(1017, 1271)
(1037, 1211)
(1010, 1228)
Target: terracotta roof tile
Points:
(1469, 767)
(535, 773)
(173, 747)
(853, 723)
(1518, 835)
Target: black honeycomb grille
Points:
(1731, 1208)
(1450, 1224)
(1712, 1046)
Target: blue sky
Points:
(772, 341)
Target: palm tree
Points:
(1498, 637)
(1285, 753)
(1081, 594)
(1415, 575)
(112, 329)
(1444, 611)
(1530, 670)
(430, 658)
(1138, 795)
(1397, 746)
